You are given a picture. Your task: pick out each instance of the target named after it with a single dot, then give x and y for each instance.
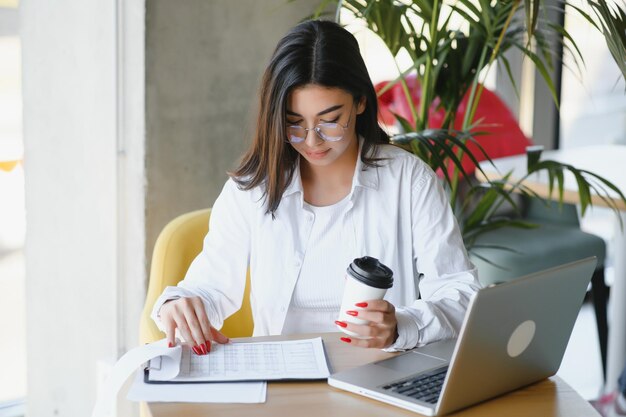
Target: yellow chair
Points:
(176, 247)
(8, 166)
(178, 244)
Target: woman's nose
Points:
(312, 138)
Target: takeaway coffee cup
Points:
(366, 279)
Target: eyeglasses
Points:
(329, 132)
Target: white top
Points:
(397, 213)
(316, 299)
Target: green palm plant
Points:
(448, 60)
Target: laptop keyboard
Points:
(425, 387)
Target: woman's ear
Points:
(361, 105)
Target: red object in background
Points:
(503, 136)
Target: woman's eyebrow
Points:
(328, 110)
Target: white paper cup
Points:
(366, 279)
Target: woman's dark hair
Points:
(314, 52)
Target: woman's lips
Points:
(317, 154)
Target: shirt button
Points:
(282, 309)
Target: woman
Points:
(320, 186)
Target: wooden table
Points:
(548, 398)
(608, 161)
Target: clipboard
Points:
(293, 360)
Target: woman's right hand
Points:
(188, 315)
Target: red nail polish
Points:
(196, 350)
(170, 344)
(341, 323)
(352, 313)
(203, 349)
(208, 346)
(361, 305)
(346, 339)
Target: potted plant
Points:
(448, 60)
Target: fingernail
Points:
(346, 339)
(208, 346)
(361, 305)
(352, 313)
(170, 344)
(196, 350)
(203, 349)
(341, 323)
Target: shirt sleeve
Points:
(218, 274)
(447, 279)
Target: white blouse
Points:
(316, 299)
(397, 212)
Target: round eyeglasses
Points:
(329, 132)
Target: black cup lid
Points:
(370, 271)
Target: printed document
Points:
(241, 361)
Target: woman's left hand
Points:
(382, 326)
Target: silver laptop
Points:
(513, 335)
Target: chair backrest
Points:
(540, 211)
(176, 247)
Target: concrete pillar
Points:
(204, 60)
(70, 160)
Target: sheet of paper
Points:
(210, 392)
(294, 359)
(169, 358)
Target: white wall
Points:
(84, 181)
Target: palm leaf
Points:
(452, 58)
(613, 27)
(470, 235)
(541, 67)
(587, 183)
(531, 7)
(442, 143)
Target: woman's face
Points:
(311, 105)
